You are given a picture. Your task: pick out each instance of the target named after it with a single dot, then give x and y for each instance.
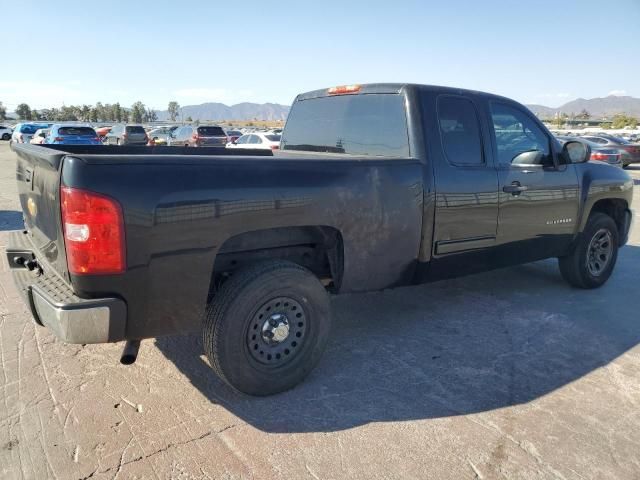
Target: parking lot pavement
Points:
(507, 374)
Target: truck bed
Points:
(186, 209)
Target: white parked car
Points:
(23, 132)
(5, 132)
(40, 136)
(263, 141)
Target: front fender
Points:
(601, 182)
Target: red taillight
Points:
(342, 89)
(599, 156)
(58, 139)
(125, 135)
(21, 138)
(93, 232)
(275, 147)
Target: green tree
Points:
(137, 112)
(584, 115)
(93, 114)
(174, 110)
(35, 115)
(3, 112)
(189, 119)
(117, 112)
(85, 113)
(622, 120)
(23, 111)
(68, 113)
(150, 115)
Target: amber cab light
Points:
(93, 233)
(342, 89)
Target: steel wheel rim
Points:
(275, 345)
(599, 252)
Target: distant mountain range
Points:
(240, 111)
(597, 107)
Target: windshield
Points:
(371, 125)
(79, 131)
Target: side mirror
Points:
(576, 152)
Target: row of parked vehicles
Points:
(612, 149)
(123, 134)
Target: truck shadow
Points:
(10, 220)
(454, 347)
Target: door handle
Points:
(514, 189)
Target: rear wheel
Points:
(6, 136)
(266, 327)
(591, 262)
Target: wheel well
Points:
(615, 208)
(317, 248)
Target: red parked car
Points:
(102, 131)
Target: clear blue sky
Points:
(541, 51)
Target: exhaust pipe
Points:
(130, 352)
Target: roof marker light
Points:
(342, 89)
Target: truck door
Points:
(466, 209)
(538, 190)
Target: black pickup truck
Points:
(375, 186)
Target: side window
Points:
(252, 139)
(459, 131)
(257, 139)
(519, 140)
(242, 140)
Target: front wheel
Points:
(267, 327)
(591, 261)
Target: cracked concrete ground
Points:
(508, 374)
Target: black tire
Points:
(575, 267)
(6, 136)
(236, 319)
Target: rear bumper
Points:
(54, 305)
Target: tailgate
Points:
(38, 176)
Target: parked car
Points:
(61, 134)
(233, 135)
(612, 156)
(102, 131)
(198, 136)
(160, 135)
(257, 140)
(5, 132)
(122, 134)
(376, 186)
(39, 137)
(23, 132)
(630, 151)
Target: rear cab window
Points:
(135, 129)
(362, 124)
(460, 131)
